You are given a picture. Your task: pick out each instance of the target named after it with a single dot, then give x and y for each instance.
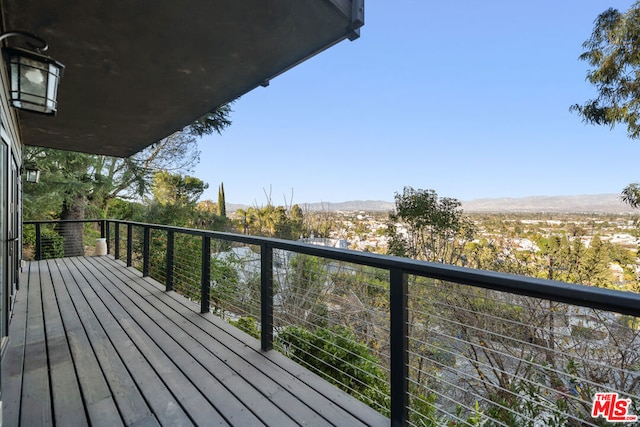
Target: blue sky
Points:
(468, 98)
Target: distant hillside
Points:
(590, 203)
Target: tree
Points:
(613, 52)
(631, 195)
(70, 193)
(213, 122)
(273, 221)
(74, 183)
(175, 200)
(207, 206)
(103, 178)
(206, 217)
(176, 189)
(222, 206)
(427, 227)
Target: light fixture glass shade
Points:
(34, 80)
(31, 174)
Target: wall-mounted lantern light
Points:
(33, 77)
(31, 173)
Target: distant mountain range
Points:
(589, 203)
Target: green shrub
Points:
(336, 355)
(52, 244)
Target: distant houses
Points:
(326, 241)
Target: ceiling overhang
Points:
(137, 71)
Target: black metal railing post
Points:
(38, 242)
(399, 341)
(116, 240)
(129, 245)
(206, 274)
(266, 297)
(145, 251)
(102, 228)
(169, 261)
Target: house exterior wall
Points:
(10, 204)
(10, 211)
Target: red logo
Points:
(612, 408)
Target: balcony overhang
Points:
(138, 71)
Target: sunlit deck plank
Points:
(158, 327)
(307, 387)
(263, 394)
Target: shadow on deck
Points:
(93, 342)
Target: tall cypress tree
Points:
(222, 208)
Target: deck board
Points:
(239, 376)
(68, 407)
(98, 400)
(130, 402)
(92, 342)
(13, 362)
(301, 383)
(168, 411)
(194, 368)
(36, 399)
(185, 394)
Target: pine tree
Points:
(222, 208)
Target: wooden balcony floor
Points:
(94, 343)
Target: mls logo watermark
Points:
(612, 408)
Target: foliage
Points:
(631, 195)
(175, 189)
(52, 243)
(175, 203)
(613, 52)
(436, 229)
(222, 204)
(214, 121)
(490, 254)
(570, 261)
(272, 221)
(365, 291)
(247, 324)
(532, 408)
(224, 284)
(126, 210)
(91, 182)
(74, 182)
(303, 290)
(336, 355)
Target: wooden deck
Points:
(94, 343)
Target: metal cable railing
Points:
(426, 344)
(57, 239)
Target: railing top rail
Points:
(587, 296)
